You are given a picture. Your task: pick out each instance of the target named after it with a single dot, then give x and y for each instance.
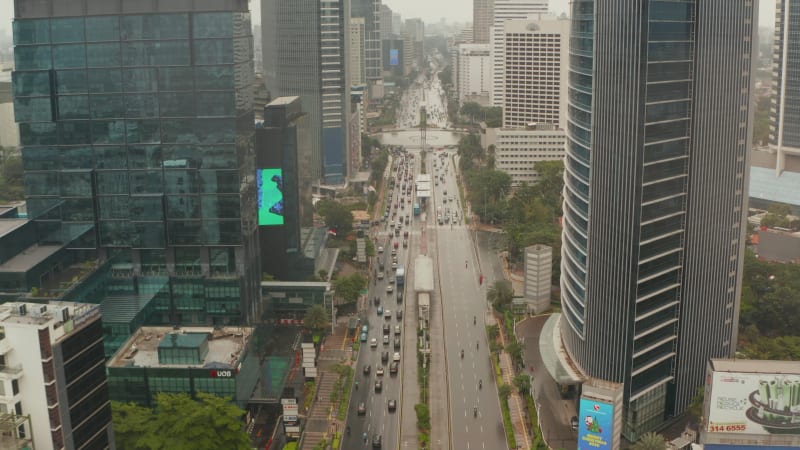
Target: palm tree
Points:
(650, 441)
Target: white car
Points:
(389, 288)
(387, 314)
(380, 249)
(396, 356)
(379, 371)
(373, 342)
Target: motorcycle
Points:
(480, 384)
(462, 353)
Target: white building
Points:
(538, 273)
(535, 66)
(517, 150)
(508, 10)
(53, 372)
(358, 68)
(474, 78)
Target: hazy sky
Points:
(429, 10)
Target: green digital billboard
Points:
(270, 197)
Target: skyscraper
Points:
(356, 66)
(136, 125)
(386, 23)
(660, 125)
(502, 11)
(784, 136)
(370, 10)
(305, 49)
(481, 20)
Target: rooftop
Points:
(765, 185)
(283, 100)
(39, 314)
(9, 225)
(225, 346)
(296, 284)
(755, 366)
(29, 258)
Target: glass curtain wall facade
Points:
(138, 127)
(370, 10)
(659, 127)
(305, 49)
(784, 136)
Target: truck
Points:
(416, 208)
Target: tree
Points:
(515, 348)
(336, 216)
(696, 407)
(316, 318)
(349, 288)
(500, 294)
(504, 391)
(181, 423)
(650, 441)
(522, 383)
(471, 110)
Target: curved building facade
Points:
(659, 128)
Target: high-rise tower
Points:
(136, 124)
(481, 20)
(306, 46)
(659, 128)
(370, 10)
(784, 136)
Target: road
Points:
(423, 92)
(378, 420)
(463, 309)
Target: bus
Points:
(416, 209)
(401, 277)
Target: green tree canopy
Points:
(336, 216)
(316, 318)
(348, 288)
(650, 441)
(181, 423)
(500, 294)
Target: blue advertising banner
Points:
(595, 425)
(394, 57)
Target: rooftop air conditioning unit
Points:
(42, 309)
(63, 314)
(22, 309)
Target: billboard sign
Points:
(595, 425)
(394, 57)
(754, 403)
(270, 196)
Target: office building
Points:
(502, 11)
(482, 13)
(538, 273)
(305, 49)
(784, 138)
(387, 32)
(655, 195)
(54, 373)
(397, 23)
(283, 155)
(219, 361)
(136, 128)
(535, 68)
(370, 11)
(394, 56)
(358, 56)
(474, 66)
(517, 150)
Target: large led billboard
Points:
(595, 425)
(394, 57)
(754, 403)
(270, 197)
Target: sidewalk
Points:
(516, 404)
(322, 421)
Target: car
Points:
(363, 337)
(373, 342)
(394, 252)
(380, 249)
(387, 314)
(380, 310)
(574, 422)
(405, 243)
(397, 330)
(399, 314)
(389, 290)
(394, 259)
(386, 329)
(362, 409)
(392, 279)
(378, 385)
(397, 343)
(367, 369)
(396, 356)
(386, 339)
(380, 275)
(376, 441)
(399, 296)
(385, 357)
(394, 266)
(393, 367)
(379, 371)
(392, 405)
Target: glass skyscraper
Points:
(136, 126)
(659, 127)
(784, 136)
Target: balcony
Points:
(10, 372)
